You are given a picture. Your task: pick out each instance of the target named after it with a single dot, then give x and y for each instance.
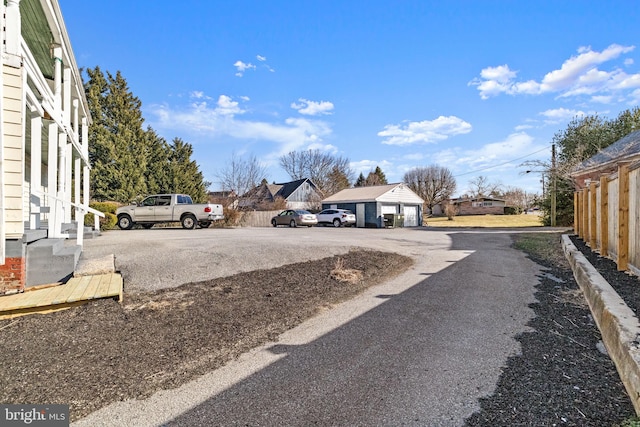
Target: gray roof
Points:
(627, 147)
(372, 193)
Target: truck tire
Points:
(124, 222)
(188, 222)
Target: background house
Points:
(479, 205)
(44, 161)
(299, 194)
(370, 204)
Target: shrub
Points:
(109, 209)
(512, 210)
(450, 211)
(232, 217)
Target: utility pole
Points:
(553, 185)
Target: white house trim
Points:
(44, 180)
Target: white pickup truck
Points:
(168, 208)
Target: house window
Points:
(307, 187)
(481, 204)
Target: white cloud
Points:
(427, 131)
(225, 119)
(366, 166)
(198, 94)
(312, 108)
(602, 99)
(261, 58)
(227, 107)
(242, 67)
(499, 74)
(578, 75)
(558, 115)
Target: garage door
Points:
(410, 216)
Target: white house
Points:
(44, 161)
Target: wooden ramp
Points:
(78, 290)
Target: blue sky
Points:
(475, 86)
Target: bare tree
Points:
(518, 198)
(242, 175)
(435, 184)
(481, 186)
(320, 167)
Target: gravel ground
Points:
(102, 352)
(624, 284)
(563, 376)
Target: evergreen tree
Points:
(184, 173)
(157, 174)
(118, 143)
(361, 181)
(377, 177)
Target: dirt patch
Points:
(101, 352)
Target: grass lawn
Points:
(529, 220)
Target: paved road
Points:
(419, 350)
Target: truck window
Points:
(184, 200)
(149, 201)
(164, 201)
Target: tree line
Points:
(128, 160)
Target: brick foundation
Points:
(13, 275)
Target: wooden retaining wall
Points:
(607, 216)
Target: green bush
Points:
(512, 210)
(109, 209)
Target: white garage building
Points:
(372, 205)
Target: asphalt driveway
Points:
(418, 350)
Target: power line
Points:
(501, 164)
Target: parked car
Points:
(294, 217)
(337, 217)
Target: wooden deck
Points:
(78, 290)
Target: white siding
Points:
(13, 151)
(385, 209)
(400, 194)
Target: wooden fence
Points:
(607, 216)
(258, 218)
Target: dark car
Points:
(294, 217)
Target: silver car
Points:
(337, 217)
(294, 218)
